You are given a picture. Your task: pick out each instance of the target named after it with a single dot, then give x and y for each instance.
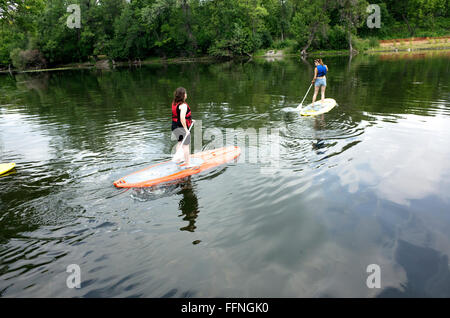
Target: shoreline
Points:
(100, 65)
(408, 49)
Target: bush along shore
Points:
(39, 34)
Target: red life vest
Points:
(176, 114)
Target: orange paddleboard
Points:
(168, 171)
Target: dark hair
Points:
(178, 95)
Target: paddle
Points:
(301, 104)
(180, 149)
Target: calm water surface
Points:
(367, 183)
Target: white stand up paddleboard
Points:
(318, 107)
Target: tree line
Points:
(36, 32)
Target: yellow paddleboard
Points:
(5, 167)
(318, 107)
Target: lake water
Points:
(301, 215)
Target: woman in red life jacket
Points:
(319, 79)
(181, 122)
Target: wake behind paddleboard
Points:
(318, 107)
(5, 167)
(170, 171)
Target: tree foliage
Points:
(137, 29)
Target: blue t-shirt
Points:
(321, 70)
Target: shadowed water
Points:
(366, 183)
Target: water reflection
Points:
(427, 272)
(38, 82)
(319, 124)
(344, 184)
(189, 206)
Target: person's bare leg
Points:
(187, 155)
(316, 90)
(323, 93)
(178, 157)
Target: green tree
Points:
(18, 26)
(417, 12)
(133, 29)
(238, 26)
(130, 40)
(353, 14)
(155, 16)
(310, 18)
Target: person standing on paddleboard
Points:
(319, 79)
(181, 122)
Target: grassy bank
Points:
(367, 46)
(412, 44)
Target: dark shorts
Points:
(179, 133)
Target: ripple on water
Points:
(279, 227)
